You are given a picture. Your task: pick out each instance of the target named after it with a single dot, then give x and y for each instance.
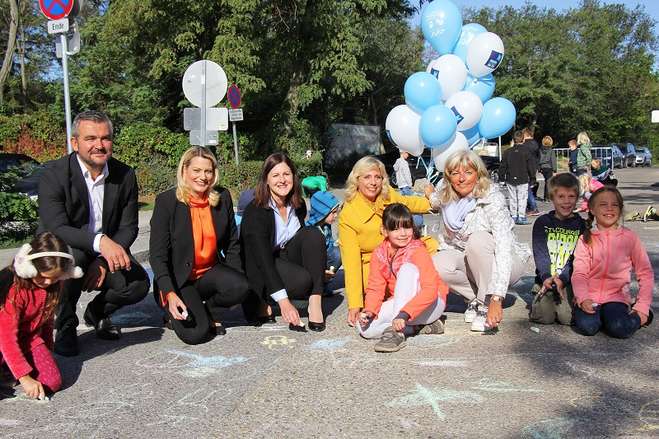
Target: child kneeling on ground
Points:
(323, 212)
(605, 255)
(404, 295)
(555, 236)
(29, 293)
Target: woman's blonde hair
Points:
(364, 165)
(582, 138)
(584, 183)
(547, 141)
(467, 159)
(182, 190)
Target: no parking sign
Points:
(56, 9)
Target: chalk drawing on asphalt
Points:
(649, 416)
(330, 344)
(200, 366)
(488, 385)
(274, 342)
(423, 396)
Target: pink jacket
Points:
(602, 270)
(22, 328)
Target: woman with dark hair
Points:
(283, 259)
(194, 250)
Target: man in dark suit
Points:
(89, 199)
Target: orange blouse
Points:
(203, 233)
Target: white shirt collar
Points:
(87, 175)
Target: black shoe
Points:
(219, 328)
(316, 327)
(104, 328)
(166, 322)
(264, 320)
(66, 345)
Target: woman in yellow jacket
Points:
(367, 194)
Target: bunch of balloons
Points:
(450, 106)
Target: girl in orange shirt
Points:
(405, 294)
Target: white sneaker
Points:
(478, 325)
(470, 312)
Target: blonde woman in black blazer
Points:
(284, 260)
(194, 250)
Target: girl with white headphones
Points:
(30, 290)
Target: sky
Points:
(651, 6)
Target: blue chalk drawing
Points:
(330, 344)
(134, 318)
(423, 396)
(201, 366)
(557, 428)
(442, 363)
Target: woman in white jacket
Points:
(479, 254)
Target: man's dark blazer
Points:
(257, 238)
(64, 204)
(171, 244)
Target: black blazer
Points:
(171, 244)
(64, 203)
(257, 238)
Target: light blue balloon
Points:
(441, 24)
(469, 31)
(422, 91)
(438, 125)
(497, 119)
(482, 87)
(472, 135)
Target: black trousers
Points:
(120, 288)
(546, 173)
(301, 266)
(219, 287)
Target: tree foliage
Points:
(588, 68)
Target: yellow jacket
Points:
(359, 234)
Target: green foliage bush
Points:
(40, 135)
(154, 152)
(18, 218)
(238, 178)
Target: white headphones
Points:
(24, 267)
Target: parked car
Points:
(618, 156)
(643, 156)
(629, 151)
(28, 169)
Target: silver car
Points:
(643, 156)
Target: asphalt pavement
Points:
(527, 381)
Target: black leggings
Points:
(301, 264)
(219, 287)
(547, 174)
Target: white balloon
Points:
(485, 53)
(402, 127)
(451, 73)
(440, 157)
(467, 107)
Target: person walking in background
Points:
(603, 261)
(584, 156)
(547, 163)
(533, 150)
(404, 181)
(516, 170)
(573, 151)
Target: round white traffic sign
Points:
(204, 76)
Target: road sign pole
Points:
(203, 104)
(67, 99)
(235, 143)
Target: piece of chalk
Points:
(184, 314)
(536, 330)
(44, 398)
(331, 268)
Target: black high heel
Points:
(316, 327)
